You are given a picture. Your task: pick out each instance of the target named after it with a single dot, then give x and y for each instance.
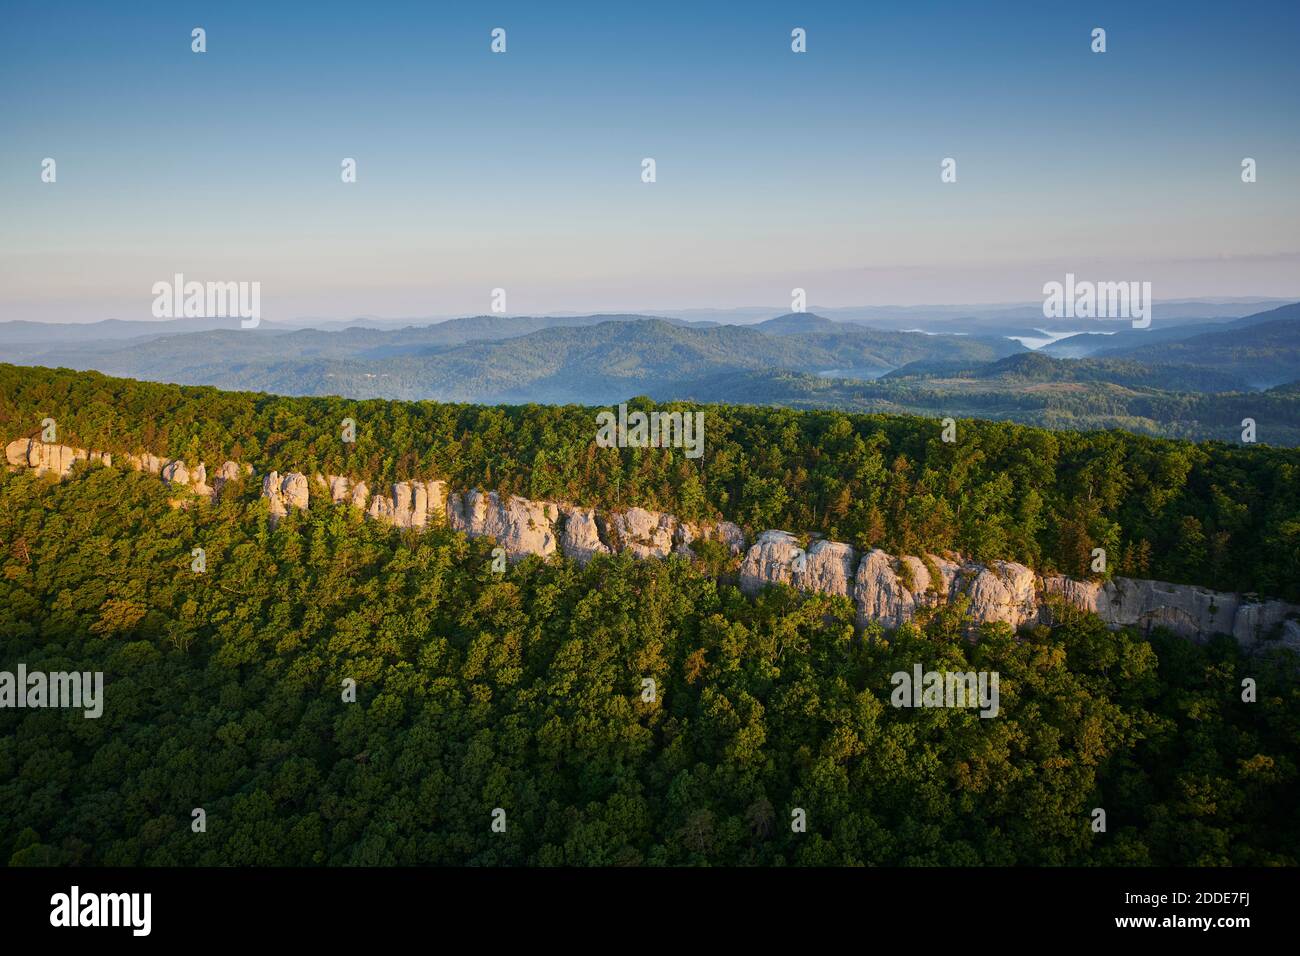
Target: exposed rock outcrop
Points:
(885, 589)
(1084, 595)
(1290, 637)
(1187, 609)
(338, 488)
(412, 504)
(1002, 591)
(724, 532)
(769, 561)
(777, 558)
(646, 534)
(146, 462)
(881, 595)
(283, 493)
(580, 538)
(360, 494)
(46, 458)
(177, 474)
(520, 526)
(229, 471)
(827, 567)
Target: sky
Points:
(523, 170)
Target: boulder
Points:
(16, 452)
(175, 473)
(285, 492)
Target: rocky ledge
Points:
(885, 589)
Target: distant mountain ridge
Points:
(1192, 380)
(1098, 345)
(501, 359)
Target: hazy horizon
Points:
(737, 315)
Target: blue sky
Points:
(522, 170)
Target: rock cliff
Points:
(580, 538)
(885, 589)
(520, 526)
(285, 492)
(43, 458)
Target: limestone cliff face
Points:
(520, 526)
(146, 462)
(177, 474)
(827, 567)
(777, 558)
(724, 532)
(580, 538)
(1182, 608)
(411, 505)
(881, 595)
(769, 561)
(46, 458)
(645, 534)
(283, 493)
(228, 472)
(1002, 591)
(885, 589)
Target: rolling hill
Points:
(596, 359)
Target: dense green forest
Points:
(1216, 514)
(1059, 402)
(523, 691)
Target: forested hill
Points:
(1214, 514)
(589, 359)
(521, 692)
